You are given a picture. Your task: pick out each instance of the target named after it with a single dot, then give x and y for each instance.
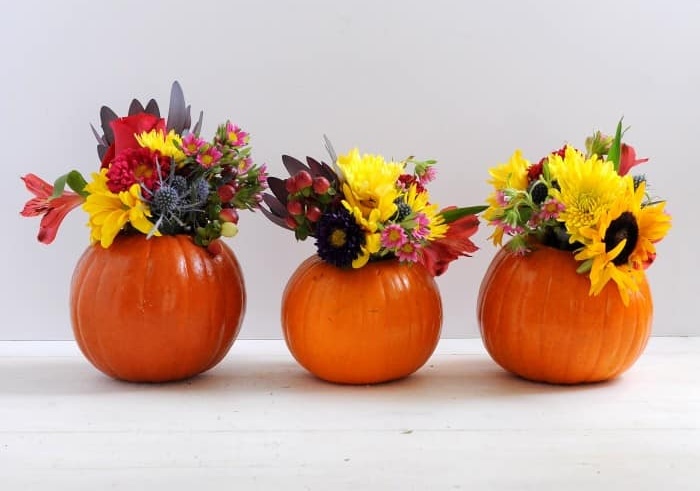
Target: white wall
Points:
(463, 82)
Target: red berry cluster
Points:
(308, 197)
(226, 194)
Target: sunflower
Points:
(654, 223)
(622, 243)
(587, 187)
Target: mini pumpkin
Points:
(538, 320)
(360, 326)
(158, 309)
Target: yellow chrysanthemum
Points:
(587, 189)
(369, 184)
(511, 175)
(109, 212)
(168, 145)
(419, 202)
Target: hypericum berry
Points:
(291, 222)
(228, 215)
(321, 185)
(229, 229)
(294, 207)
(303, 180)
(226, 193)
(215, 248)
(539, 192)
(290, 184)
(313, 213)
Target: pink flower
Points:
(408, 252)
(628, 159)
(236, 136)
(427, 176)
(438, 254)
(501, 199)
(245, 165)
(209, 157)
(422, 229)
(550, 209)
(393, 236)
(262, 175)
(54, 210)
(191, 144)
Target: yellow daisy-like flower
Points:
(369, 184)
(372, 237)
(109, 212)
(168, 145)
(420, 203)
(587, 189)
(372, 246)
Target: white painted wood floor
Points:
(258, 421)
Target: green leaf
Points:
(59, 185)
(74, 180)
(614, 152)
(457, 213)
(77, 183)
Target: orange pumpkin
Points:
(538, 321)
(361, 326)
(158, 309)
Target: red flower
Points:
(628, 159)
(406, 180)
(124, 130)
(53, 209)
(137, 165)
(438, 254)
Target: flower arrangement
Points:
(584, 202)
(156, 178)
(364, 208)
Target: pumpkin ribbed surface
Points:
(373, 324)
(158, 309)
(538, 321)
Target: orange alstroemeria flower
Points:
(54, 210)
